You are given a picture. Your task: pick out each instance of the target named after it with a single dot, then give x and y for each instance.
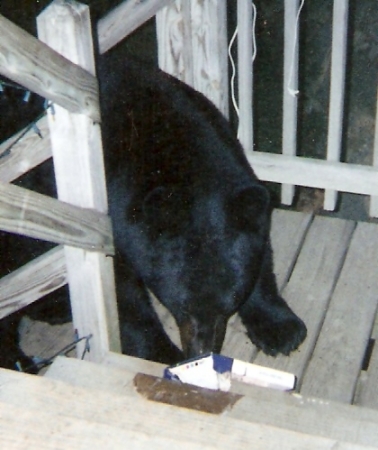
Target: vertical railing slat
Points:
(205, 47)
(245, 73)
(336, 104)
(290, 83)
(173, 29)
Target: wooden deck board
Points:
(310, 287)
(336, 362)
(334, 294)
(368, 395)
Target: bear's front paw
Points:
(275, 330)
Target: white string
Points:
(254, 52)
(293, 92)
(232, 82)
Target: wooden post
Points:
(79, 170)
(205, 48)
(336, 103)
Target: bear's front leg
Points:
(142, 334)
(271, 324)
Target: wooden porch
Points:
(326, 271)
(325, 268)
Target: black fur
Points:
(191, 220)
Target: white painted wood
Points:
(209, 44)
(124, 19)
(293, 412)
(374, 200)
(311, 285)
(173, 30)
(290, 83)
(336, 360)
(336, 106)
(32, 281)
(204, 51)
(35, 215)
(79, 171)
(26, 60)
(245, 73)
(354, 178)
(18, 158)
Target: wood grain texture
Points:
(27, 61)
(258, 405)
(174, 30)
(194, 33)
(80, 176)
(31, 150)
(336, 361)
(124, 19)
(35, 215)
(55, 415)
(32, 281)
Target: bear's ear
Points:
(164, 210)
(248, 209)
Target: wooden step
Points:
(44, 413)
(258, 406)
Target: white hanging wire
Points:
(294, 92)
(254, 52)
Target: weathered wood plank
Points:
(368, 395)
(311, 285)
(173, 29)
(30, 151)
(205, 47)
(35, 215)
(80, 176)
(55, 415)
(336, 360)
(32, 281)
(301, 171)
(293, 412)
(124, 19)
(288, 231)
(26, 60)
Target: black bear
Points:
(191, 220)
